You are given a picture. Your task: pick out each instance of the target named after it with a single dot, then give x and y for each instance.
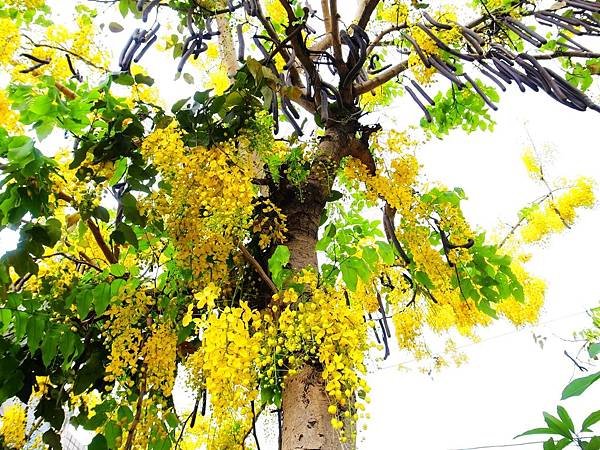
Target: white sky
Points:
(509, 380)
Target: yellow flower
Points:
(13, 424)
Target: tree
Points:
(185, 239)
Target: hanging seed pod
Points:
(418, 102)
(145, 49)
(588, 6)
(495, 71)
(290, 116)
(241, 43)
(422, 92)
(149, 9)
(435, 23)
(420, 53)
(572, 41)
(140, 5)
(445, 71)
(443, 46)
(525, 29)
(479, 91)
(493, 78)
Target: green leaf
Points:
(140, 78)
(49, 347)
(101, 213)
(98, 443)
(101, 297)
(564, 416)
(179, 104)
(536, 431)
(334, 196)
(349, 275)
(35, 332)
(118, 270)
(115, 27)
(594, 349)
(590, 420)
(120, 169)
(277, 261)
(84, 302)
(557, 425)
(52, 438)
(578, 386)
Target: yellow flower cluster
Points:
(205, 299)
(10, 39)
(532, 164)
(9, 119)
(326, 329)
(269, 224)
(450, 37)
(558, 212)
(159, 354)
(27, 4)
(12, 428)
(125, 335)
(79, 41)
(276, 12)
(207, 204)
(225, 365)
(395, 13)
(527, 312)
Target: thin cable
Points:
(498, 446)
(568, 316)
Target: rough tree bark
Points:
(306, 422)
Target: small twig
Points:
(138, 415)
(254, 263)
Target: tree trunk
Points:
(306, 421)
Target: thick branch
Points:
(364, 13)
(335, 31)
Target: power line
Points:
(499, 445)
(557, 319)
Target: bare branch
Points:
(379, 79)
(365, 10)
(377, 39)
(335, 31)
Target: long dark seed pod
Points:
(32, 68)
(140, 5)
(201, 46)
(472, 41)
(149, 9)
(522, 35)
(527, 30)
(289, 105)
(495, 71)
(507, 70)
(551, 22)
(358, 31)
(588, 6)
(324, 106)
(445, 71)
(152, 32)
(241, 42)
(261, 47)
(435, 23)
(145, 49)
(418, 102)
(493, 78)
(422, 92)
(533, 74)
(551, 84)
(275, 112)
(35, 58)
(184, 58)
(126, 47)
(370, 316)
(443, 46)
(287, 113)
(190, 23)
(482, 94)
(574, 42)
(418, 50)
(208, 25)
(353, 49)
(230, 6)
(128, 58)
(572, 91)
(473, 34)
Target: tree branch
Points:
(379, 79)
(364, 13)
(256, 266)
(335, 31)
